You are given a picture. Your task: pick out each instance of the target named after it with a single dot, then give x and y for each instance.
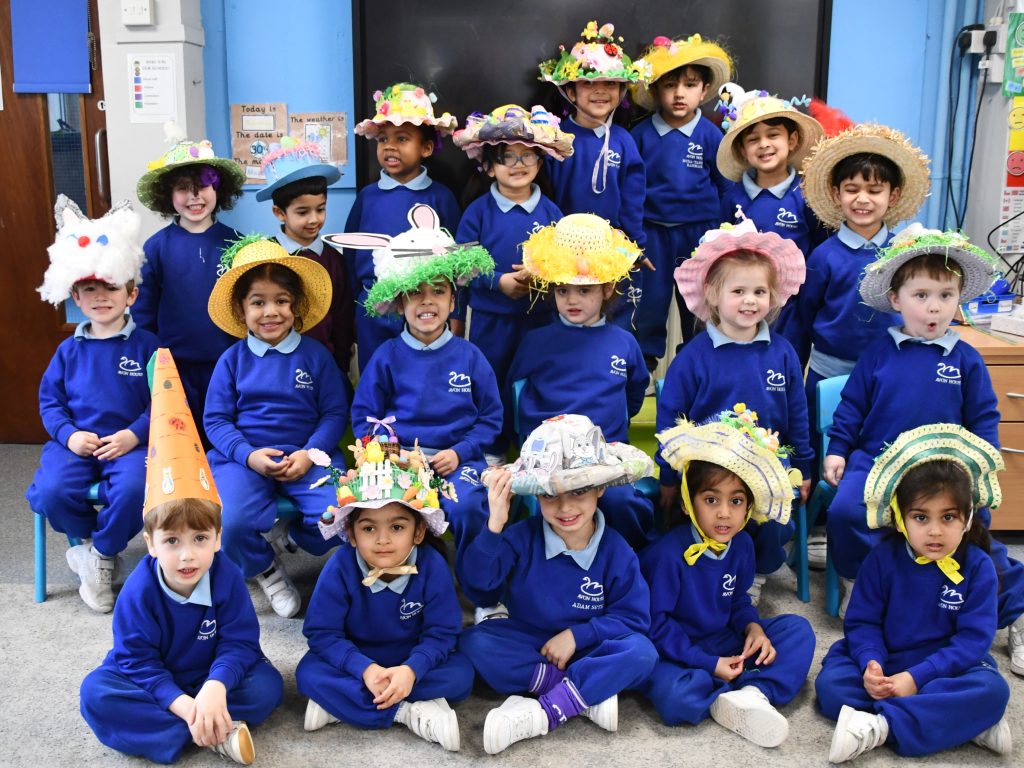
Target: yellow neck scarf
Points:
(694, 551)
(391, 570)
(946, 564)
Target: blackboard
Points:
(478, 55)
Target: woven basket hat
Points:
(511, 124)
(932, 442)
(579, 249)
(666, 54)
(404, 103)
(253, 251)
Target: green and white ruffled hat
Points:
(597, 56)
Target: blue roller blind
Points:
(51, 46)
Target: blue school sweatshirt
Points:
(622, 199)
(607, 600)
(691, 604)
(446, 397)
(704, 380)
(502, 233)
(781, 209)
(164, 646)
(896, 388)
(597, 371)
(98, 385)
(913, 612)
(683, 182)
(287, 401)
(179, 274)
(350, 626)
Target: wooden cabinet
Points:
(1005, 362)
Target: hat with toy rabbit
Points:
(424, 253)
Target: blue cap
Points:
(288, 164)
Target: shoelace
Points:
(522, 726)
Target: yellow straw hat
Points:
(252, 251)
(579, 249)
(666, 54)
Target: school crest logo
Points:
(775, 381)
(950, 599)
(728, 584)
(409, 608)
(618, 366)
(221, 269)
(469, 475)
(694, 155)
(207, 630)
(591, 595)
(129, 367)
(459, 382)
(786, 219)
(614, 158)
(947, 374)
(634, 294)
(302, 379)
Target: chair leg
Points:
(803, 587)
(40, 557)
(831, 587)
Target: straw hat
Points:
(931, 442)
(511, 124)
(735, 442)
(665, 54)
(579, 249)
(752, 108)
(784, 255)
(252, 251)
(184, 152)
(291, 161)
(176, 464)
(403, 103)
(597, 56)
(867, 138)
(977, 266)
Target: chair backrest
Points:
(517, 390)
(829, 394)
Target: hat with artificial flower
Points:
(976, 265)
(511, 124)
(403, 103)
(183, 153)
(579, 249)
(290, 161)
(664, 55)
(784, 256)
(597, 56)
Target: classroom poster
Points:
(326, 129)
(151, 93)
(254, 127)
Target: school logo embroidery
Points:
(775, 381)
(618, 366)
(694, 155)
(591, 596)
(950, 599)
(221, 269)
(129, 367)
(408, 609)
(207, 629)
(459, 382)
(634, 294)
(728, 584)
(302, 379)
(947, 374)
(469, 475)
(786, 219)
(537, 227)
(614, 158)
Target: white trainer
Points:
(1016, 646)
(280, 591)
(494, 459)
(496, 611)
(432, 720)
(238, 746)
(997, 738)
(605, 714)
(846, 589)
(817, 548)
(280, 540)
(97, 576)
(755, 588)
(856, 733)
(317, 717)
(517, 719)
(748, 713)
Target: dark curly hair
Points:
(196, 176)
(279, 275)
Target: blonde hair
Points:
(716, 277)
(176, 514)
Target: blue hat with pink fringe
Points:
(291, 161)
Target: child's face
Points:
(766, 148)
(384, 537)
(515, 169)
(426, 309)
(721, 509)
(104, 305)
(184, 555)
(864, 203)
(581, 304)
(743, 301)
(934, 525)
(595, 100)
(680, 93)
(195, 207)
(269, 314)
(303, 218)
(571, 515)
(927, 305)
(401, 149)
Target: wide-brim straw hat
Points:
(866, 138)
(511, 124)
(932, 442)
(977, 266)
(731, 162)
(665, 55)
(579, 249)
(180, 155)
(405, 103)
(254, 251)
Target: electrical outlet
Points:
(137, 13)
(977, 45)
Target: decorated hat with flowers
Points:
(424, 253)
(597, 56)
(511, 124)
(977, 266)
(290, 161)
(403, 103)
(784, 255)
(664, 55)
(182, 153)
(579, 249)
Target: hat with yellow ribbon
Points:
(665, 54)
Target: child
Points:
(605, 175)
(717, 656)
(274, 396)
(736, 281)
(684, 187)
(93, 399)
(297, 183)
(510, 145)
(914, 669)
(581, 363)
(437, 383)
(183, 261)
(186, 665)
(407, 133)
(577, 635)
(384, 618)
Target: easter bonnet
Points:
(665, 54)
(292, 161)
(579, 249)
(512, 124)
(403, 103)
(185, 152)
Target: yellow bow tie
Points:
(697, 549)
(393, 570)
(948, 566)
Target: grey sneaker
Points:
(96, 574)
(1016, 643)
(755, 588)
(280, 591)
(817, 548)
(279, 539)
(238, 746)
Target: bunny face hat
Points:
(105, 249)
(423, 254)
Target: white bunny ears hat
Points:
(423, 254)
(105, 249)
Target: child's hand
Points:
(729, 668)
(499, 498)
(184, 707)
(757, 643)
(400, 681)
(834, 467)
(560, 648)
(296, 465)
(374, 679)
(84, 443)
(903, 684)
(805, 490)
(117, 444)
(515, 285)
(445, 462)
(876, 683)
(211, 721)
(262, 461)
